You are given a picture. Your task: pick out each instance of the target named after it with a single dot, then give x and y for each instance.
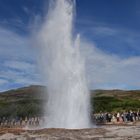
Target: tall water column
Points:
(63, 69)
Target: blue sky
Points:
(110, 30)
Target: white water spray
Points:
(68, 104)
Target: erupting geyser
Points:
(68, 104)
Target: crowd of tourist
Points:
(21, 121)
(119, 117)
(103, 118)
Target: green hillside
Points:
(25, 101)
(28, 101)
(115, 100)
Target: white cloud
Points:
(20, 65)
(17, 60)
(3, 81)
(10, 74)
(26, 10)
(109, 71)
(20, 72)
(119, 37)
(104, 30)
(13, 79)
(103, 70)
(28, 81)
(14, 46)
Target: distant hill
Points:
(27, 101)
(115, 100)
(135, 94)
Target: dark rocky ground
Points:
(106, 132)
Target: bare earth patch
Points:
(106, 132)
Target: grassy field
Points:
(22, 102)
(28, 101)
(115, 100)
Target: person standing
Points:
(118, 117)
